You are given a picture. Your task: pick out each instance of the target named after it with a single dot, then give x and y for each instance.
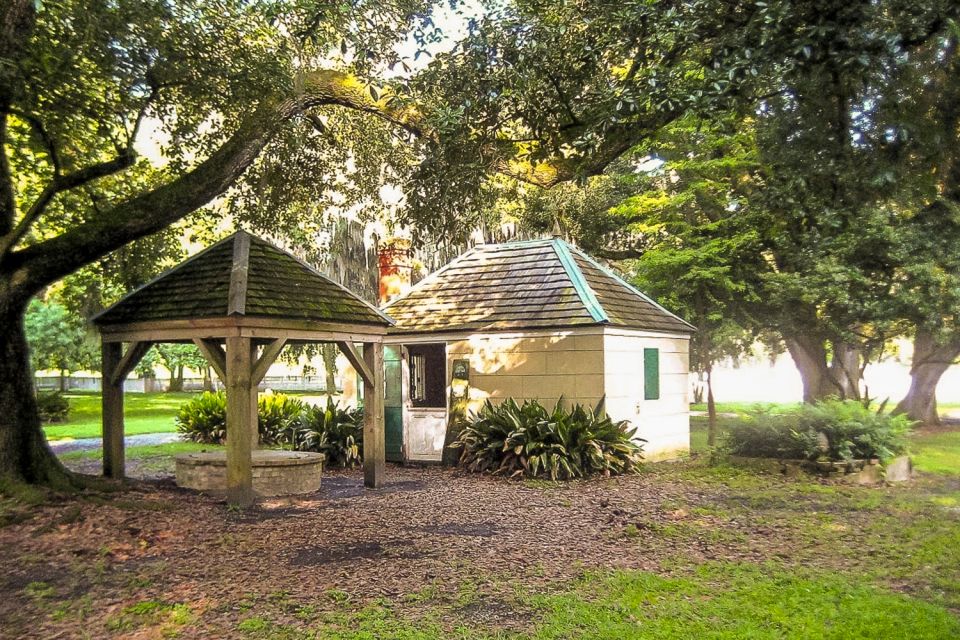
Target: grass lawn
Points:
(937, 451)
(143, 413)
(681, 550)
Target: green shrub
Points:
(204, 418)
(514, 440)
(832, 430)
(279, 415)
(52, 406)
(333, 431)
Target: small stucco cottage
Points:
(533, 320)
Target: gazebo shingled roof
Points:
(246, 276)
(240, 302)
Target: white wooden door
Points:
(425, 430)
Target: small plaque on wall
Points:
(461, 370)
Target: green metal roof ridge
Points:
(516, 243)
(616, 277)
(587, 295)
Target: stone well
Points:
(275, 473)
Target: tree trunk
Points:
(328, 352)
(207, 379)
(930, 361)
(711, 410)
(810, 357)
(24, 454)
(698, 388)
(63, 381)
(176, 378)
(845, 370)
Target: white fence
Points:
(151, 385)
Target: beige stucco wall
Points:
(542, 366)
(664, 423)
(583, 366)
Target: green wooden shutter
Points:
(651, 374)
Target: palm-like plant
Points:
(527, 439)
(333, 431)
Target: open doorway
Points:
(426, 401)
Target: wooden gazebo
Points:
(240, 302)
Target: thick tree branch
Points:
(550, 173)
(59, 184)
(36, 266)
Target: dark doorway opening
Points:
(428, 375)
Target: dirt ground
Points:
(71, 567)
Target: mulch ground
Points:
(428, 528)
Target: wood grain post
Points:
(254, 416)
(374, 444)
(112, 399)
(240, 414)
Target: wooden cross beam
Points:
(128, 361)
(214, 354)
(267, 358)
(366, 373)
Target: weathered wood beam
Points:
(134, 354)
(112, 405)
(214, 354)
(267, 358)
(240, 421)
(357, 361)
(374, 442)
(239, 274)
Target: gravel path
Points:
(87, 444)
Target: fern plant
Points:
(277, 417)
(528, 439)
(832, 430)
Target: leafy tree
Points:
(924, 120)
(280, 100)
(59, 339)
(219, 82)
(178, 357)
(680, 226)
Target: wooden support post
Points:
(112, 399)
(374, 444)
(254, 400)
(240, 414)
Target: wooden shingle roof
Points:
(243, 275)
(526, 285)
